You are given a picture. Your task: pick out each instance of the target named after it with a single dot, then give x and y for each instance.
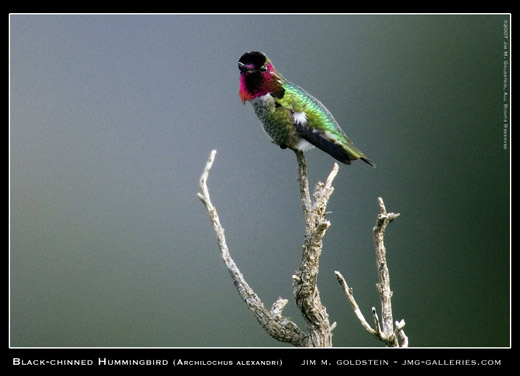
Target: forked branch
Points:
(305, 290)
(319, 330)
(305, 280)
(273, 322)
(388, 334)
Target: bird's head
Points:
(258, 77)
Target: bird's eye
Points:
(263, 68)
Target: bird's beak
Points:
(243, 67)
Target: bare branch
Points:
(383, 219)
(386, 334)
(305, 288)
(399, 325)
(304, 187)
(357, 311)
(278, 326)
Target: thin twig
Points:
(357, 311)
(304, 188)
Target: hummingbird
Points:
(291, 117)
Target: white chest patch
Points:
(261, 99)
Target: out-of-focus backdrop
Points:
(112, 118)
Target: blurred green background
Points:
(112, 118)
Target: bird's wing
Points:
(323, 140)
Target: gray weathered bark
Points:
(387, 333)
(305, 290)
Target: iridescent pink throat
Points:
(270, 82)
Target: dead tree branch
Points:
(387, 334)
(305, 288)
(278, 326)
(304, 281)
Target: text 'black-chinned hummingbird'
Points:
(292, 117)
